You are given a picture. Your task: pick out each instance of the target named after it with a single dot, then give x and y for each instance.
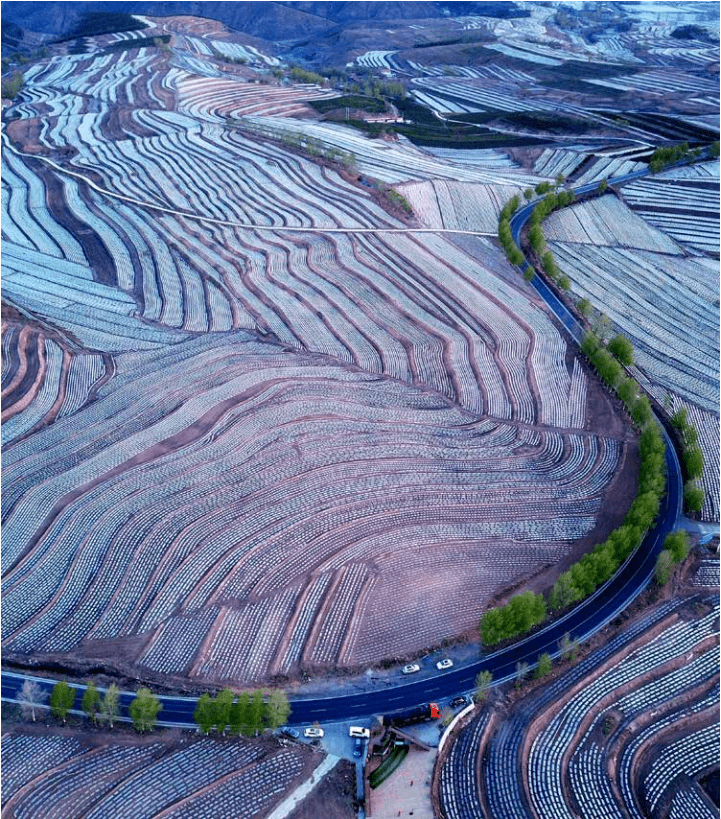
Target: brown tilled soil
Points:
(333, 798)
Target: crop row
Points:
(606, 221)
(459, 774)
(526, 54)
(43, 394)
(376, 59)
(387, 162)
(671, 327)
(380, 477)
(197, 778)
(481, 72)
(553, 161)
(457, 205)
(501, 782)
(108, 77)
(284, 265)
(685, 208)
(498, 98)
(690, 800)
(25, 218)
(604, 167)
(234, 51)
(660, 82)
(215, 99)
(572, 748)
(576, 719)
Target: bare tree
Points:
(31, 697)
(522, 669)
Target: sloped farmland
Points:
(662, 299)
(316, 439)
(236, 509)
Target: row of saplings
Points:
(526, 610)
(248, 715)
(101, 708)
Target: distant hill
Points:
(271, 21)
(267, 20)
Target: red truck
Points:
(411, 715)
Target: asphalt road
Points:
(518, 221)
(581, 623)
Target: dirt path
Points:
(227, 222)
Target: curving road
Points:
(582, 622)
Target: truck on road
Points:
(409, 716)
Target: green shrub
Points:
(622, 348)
(694, 497)
(584, 307)
(664, 563)
(693, 456)
(543, 668)
(677, 545)
(12, 86)
(521, 613)
(388, 766)
(399, 199)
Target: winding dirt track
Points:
(226, 222)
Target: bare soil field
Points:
(332, 798)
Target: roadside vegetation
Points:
(693, 461)
(527, 610)
(247, 715)
(675, 549)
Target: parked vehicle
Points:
(411, 669)
(358, 747)
(290, 732)
(356, 731)
(412, 715)
(313, 733)
(443, 664)
(457, 702)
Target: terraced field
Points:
(659, 287)
(61, 775)
(629, 731)
(255, 508)
(245, 422)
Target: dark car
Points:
(290, 732)
(358, 747)
(457, 702)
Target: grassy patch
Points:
(356, 101)
(390, 764)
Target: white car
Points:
(441, 665)
(356, 731)
(411, 669)
(313, 733)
